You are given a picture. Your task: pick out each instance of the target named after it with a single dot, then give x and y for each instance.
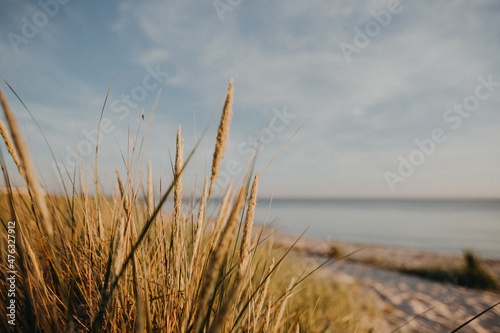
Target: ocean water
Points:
(447, 226)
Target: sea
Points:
(437, 225)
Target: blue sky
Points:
(364, 81)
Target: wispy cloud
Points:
(358, 117)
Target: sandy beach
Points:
(408, 303)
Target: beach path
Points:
(409, 303)
(431, 306)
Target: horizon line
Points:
(326, 197)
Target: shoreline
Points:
(406, 303)
(379, 256)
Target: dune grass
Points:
(327, 303)
(129, 262)
(472, 273)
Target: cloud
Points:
(399, 86)
(154, 56)
(358, 117)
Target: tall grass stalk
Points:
(27, 166)
(222, 137)
(10, 147)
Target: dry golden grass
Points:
(27, 167)
(10, 146)
(325, 303)
(247, 230)
(222, 137)
(92, 263)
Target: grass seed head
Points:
(222, 136)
